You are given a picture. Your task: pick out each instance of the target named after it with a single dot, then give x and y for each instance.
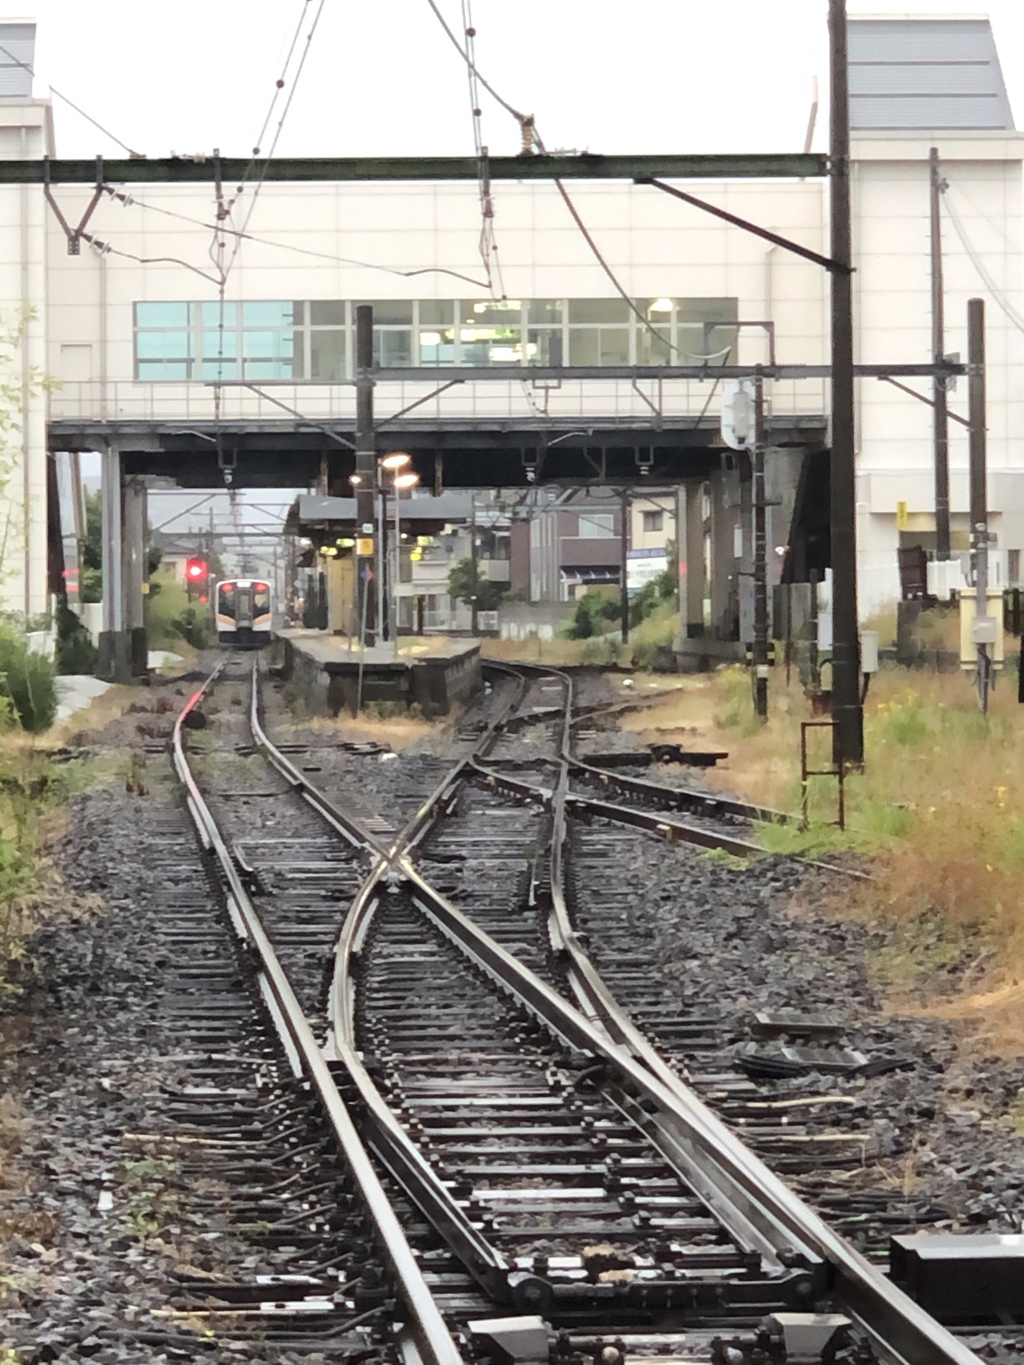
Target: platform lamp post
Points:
(396, 464)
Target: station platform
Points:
(333, 674)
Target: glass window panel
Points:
(267, 345)
(491, 345)
(598, 310)
(219, 369)
(210, 314)
(658, 312)
(392, 348)
(596, 525)
(393, 312)
(436, 312)
(541, 311)
(651, 349)
(437, 346)
(585, 347)
(163, 314)
(327, 313)
(327, 356)
(259, 314)
(653, 521)
(614, 346)
(163, 345)
(707, 310)
(599, 346)
(544, 347)
(714, 340)
(163, 369)
(498, 312)
(217, 344)
(268, 369)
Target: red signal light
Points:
(203, 599)
(196, 570)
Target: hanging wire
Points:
(280, 125)
(129, 201)
(70, 102)
(994, 289)
(531, 140)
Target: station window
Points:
(491, 332)
(598, 331)
(314, 341)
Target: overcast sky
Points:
(645, 76)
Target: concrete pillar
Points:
(690, 524)
(724, 521)
(114, 662)
(133, 574)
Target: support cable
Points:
(532, 140)
(70, 102)
(998, 294)
(129, 201)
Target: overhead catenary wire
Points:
(70, 102)
(997, 293)
(531, 138)
(129, 201)
(280, 124)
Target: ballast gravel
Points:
(75, 1275)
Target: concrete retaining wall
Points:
(436, 684)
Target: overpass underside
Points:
(449, 451)
(460, 453)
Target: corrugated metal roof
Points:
(17, 56)
(926, 73)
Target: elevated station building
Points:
(544, 375)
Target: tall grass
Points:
(939, 806)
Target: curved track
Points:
(480, 1045)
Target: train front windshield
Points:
(243, 608)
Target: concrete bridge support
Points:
(123, 649)
(726, 552)
(690, 524)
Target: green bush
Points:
(172, 618)
(28, 683)
(595, 614)
(76, 652)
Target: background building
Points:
(169, 376)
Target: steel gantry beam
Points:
(176, 170)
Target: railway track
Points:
(574, 1178)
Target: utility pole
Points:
(984, 631)
(940, 416)
(366, 470)
(624, 567)
(847, 709)
(760, 653)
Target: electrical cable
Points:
(77, 108)
(532, 138)
(280, 126)
(997, 293)
(105, 249)
(129, 201)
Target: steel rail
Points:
(736, 1183)
(492, 1271)
(892, 1319)
(433, 1339)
